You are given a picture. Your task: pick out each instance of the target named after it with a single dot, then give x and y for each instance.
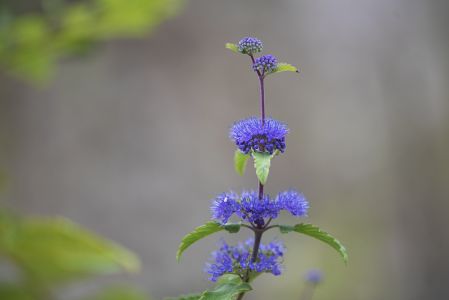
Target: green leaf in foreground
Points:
(186, 297)
(262, 162)
(14, 292)
(316, 232)
(284, 67)
(119, 293)
(197, 234)
(232, 47)
(240, 160)
(56, 249)
(227, 288)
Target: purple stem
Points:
(262, 99)
(257, 233)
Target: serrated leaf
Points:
(240, 160)
(56, 249)
(197, 234)
(262, 162)
(316, 232)
(284, 67)
(228, 287)
(232, 47)
(232, 228)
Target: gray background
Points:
(131, 141)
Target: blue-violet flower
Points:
(265, 64)
(236, 259)
(257, 211)
(251, 134)
(250, 45)
(224, 206)
(294, 202)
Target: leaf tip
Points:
(232, 47)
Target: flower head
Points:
(224, 206)
(252, 134)
(294, 202)
(265, 64)
(236, 259)
(314, 276)
(249, 207)
(250, 45)
(255, 210)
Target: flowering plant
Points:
(234, 267)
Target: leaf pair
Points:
(262, 163)
(307, 229)
(281, 67)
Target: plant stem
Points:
(261, 76)
(257, 240)
(259, 230)
(262, 99)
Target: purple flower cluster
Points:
(254, 210)
(224, 206)
(236, 259)
(250, 45)
(265, 64)
(251, 134)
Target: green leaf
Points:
(316, 232)
(262, 163)
(232, 228)
(228, 287)
(197, 234)
(31, 45)
(232, 47)
(14, 292)
(119, 293)
(240, 160)
(56, 249)
(186, 297)
(284, 67)
(286, 228)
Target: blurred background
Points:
(119, 122)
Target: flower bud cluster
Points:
(250, 45)
(265, 64)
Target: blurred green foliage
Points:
(119, 293)
(34, 35)
(49, 252)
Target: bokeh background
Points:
(130, 140)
